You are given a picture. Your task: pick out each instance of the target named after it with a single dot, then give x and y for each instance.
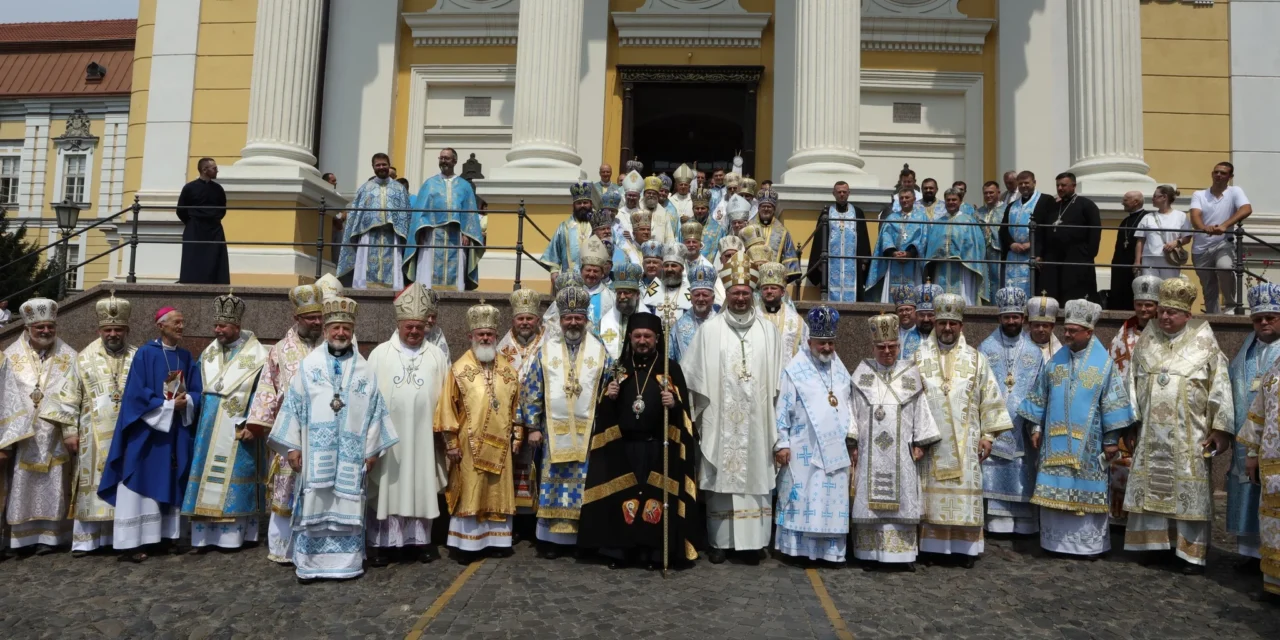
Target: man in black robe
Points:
(1060, 239)
(817, 270)
(201, 207)
(1122, 258)
(623, 503)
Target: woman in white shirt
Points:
(1160, 233)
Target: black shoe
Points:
(548, 551)
(1192, 569)
(379, 559)
(44, 549)
(429, 553)
(306, 580)
(751, 558)
(909, 567)
(968, 562)
(619, 563)
(716, 556)
(79, 554)
(502, 552)
(1249, 566)
(1262, 595)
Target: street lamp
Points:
(68, 213)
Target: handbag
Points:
(1179, 256)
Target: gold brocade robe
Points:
(970, 410)
(791, 326)
(476, 415)
(1181, 391)
(87, 407)
(39, 474)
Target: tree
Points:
(25, 271)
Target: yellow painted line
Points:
(837, 623)
(443, 600)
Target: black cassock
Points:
(1121, 296)
(1056, 243)
(204, 263)
(622, 504)
(818, 274)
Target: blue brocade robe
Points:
(992, 217)
(952, 250)
(385, 228)
(1017, 270)
(1247, 369)
(685, 327)
(445, 214)
(781, 248)
(842, 240)
(909, 343)
(562, 253)
(897, 233)
(1009, 474)
(1081, 401)
(152, 463)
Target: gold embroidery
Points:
(655, 480)
(605, 437)
(605, 490)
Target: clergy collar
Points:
(944, 347)
(164, 346)
(381, 181)
(1026, 199)
(336, 352)
(842, 208)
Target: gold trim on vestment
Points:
(946, 532)
(1077, 508)
(559, 513)
(491, 534)
(609, 488)
(656, 480)
(54, 461)
(1154, 536)
(605, 437)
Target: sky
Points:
(60, 10)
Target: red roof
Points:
(62, 73)
(76, 31)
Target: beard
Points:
(339, 344)
(673, 281)
(573, 336)
(485, 353)
(627, 307)
(39, 343)
(113, 344)
(651, 203)
(1010, 332)
(824, 358)
(772, 307)
(525, 335)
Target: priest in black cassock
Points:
(201, 207)
(839, 244)
(623, 504)
(1059, 238)
(1123, 257)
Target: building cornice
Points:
(657, 27)
(465, 23)
(921, 33)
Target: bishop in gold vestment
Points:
(86, 410)
(476, 416)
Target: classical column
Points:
(548, 64)
(1105, 85)
(282, 93)
(828, 58)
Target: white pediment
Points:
(690, 23)
(921, 25)
(465, 23)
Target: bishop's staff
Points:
(666, 441)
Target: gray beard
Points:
(485, 353)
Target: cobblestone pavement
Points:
(1015, 591)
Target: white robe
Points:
(405, 483)
(677, 300)
(735, 406)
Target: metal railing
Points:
(325, 214)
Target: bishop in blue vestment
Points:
(1256, 356)
(954, 248)
(376, 224)
(446, 218)
(900, 233)
(563, 251)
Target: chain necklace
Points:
(339, 382)
(948, 369)
(1009, 381)
(1062, 209)
(830, 385)
(487, 368)
(637, 407)
(42, 372)
(116, 364)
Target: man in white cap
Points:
(333, 399)
(41, 363)
(777, 309)
(702, 305)
(814, 407)
(729, 245)
(1009, 475)
(1182, 394)
(737, 214)
(1146, 295)
(626, 291)
(221, 498)
(86, 410)
(283, 361)
(965, 399)
(1078, 405)
(891, 417)
(557, 407)
(672, 298)
(1256, 356)
(632, 189)
(404, 485)
(719, 205)
(664, 224)
(520, 345)
(681, 199)
(733, 366)
(1042, 317)
(475, 421)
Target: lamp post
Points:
(68, 213)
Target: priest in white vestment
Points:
(86, 410)
(891, 428)
(405, 485)
(41, 476)
(732, 370)
(663, 224)
(671, 300)
(1182, 393)
(814, 401)
(1146, 298)
(778, 310)
(519, 345)
(222, 495)
(332, 428)
(283, 361)
(681, 200)
(970, 413)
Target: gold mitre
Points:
(482, 316)
(772, 273)
(113, 311)
(884, 328)
(340, 309)
(949, 306)
(701, 197)
(738, 271)
(641, 219)
(306, 298)
(526, 301)
(691, 230)
(748, 186)
(412, 303)
(1177, 293)
(751, 235)
(683, 174)
(228, 309)
(653, 183)
(329, 287)
(594, 253)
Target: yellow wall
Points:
(224, 68)
(1186, 97)
(138, 98)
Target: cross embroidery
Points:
(804, 455)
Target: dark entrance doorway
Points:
(687, 114)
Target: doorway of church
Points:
(701, 116)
